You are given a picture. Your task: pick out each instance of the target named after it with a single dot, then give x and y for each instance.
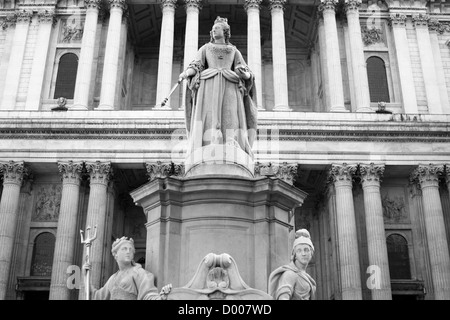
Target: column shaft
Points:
(66, 235)
(254, 46)
(376, 238)
(333, 67)
(15, 61)
(9, 204)
(326, 100)
(435, 229)
(39, 60)
(111, 62)
(165, 62)
(86, 60)
(404, 64)
(347, 235)
(280, 79)
(358, 64)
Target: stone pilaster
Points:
(193, 8)
(13, 174)
(66, 235)
(333, 60)
(358, 64)
(434, 28)
(46, 20)
(280, 83)
(165, 62)
(398, 23)
(84, 72)
(254, 45)
(427, 62)
(11, 87)
(376, 238)
(100, 174)
(342, 177)
(111, 62)
(428, 177)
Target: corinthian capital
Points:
(427, 174)
(276, 4)
(93, 4)
(371, 172)
(163, 170)
(421, 20)
(8, 21)
(70, 171)
(328, 5)
(13, 172)
(252, 4)
(397, 19)
(46, 16)
(352, 6)
(342, 172)
(120, 4)
(172, 4)
(195, 4)
(24, 16)
(99, 172)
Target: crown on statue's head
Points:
(221, 20)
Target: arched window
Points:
(42, 261)
(378, 84)
(66, 77)
(398, 257)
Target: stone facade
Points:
(377, 183)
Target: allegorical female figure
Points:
(220, 106)
(131, 281)
(291, 282)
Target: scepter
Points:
(87, 243)
(171, 91)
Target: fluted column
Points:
(100, 174)
(326, 100)
(333, 60)
(428, 177)
(434, 28)
(376, 237)
(86, 60)
(66, 235)
(16, 59)
(447, 176)
(358, 63)
(165, 62)
(427, 61)
(13, 173)
(111, 62)
(254, 45)
(193, 8)
(347, 235)
(280, 82)
(46, 19)
(398, 22)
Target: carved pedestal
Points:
(187, 218)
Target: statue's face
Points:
(217, 31)
(125, 253)
(303, 254)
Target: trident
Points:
(87, 243)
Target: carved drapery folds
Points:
(163, 170)
(13, 172)
(99, 172)
(284, 171)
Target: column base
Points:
(282, 108)
(338, 109)
(104, 107)
(159, 107)
(364, 109)
(78, 107)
